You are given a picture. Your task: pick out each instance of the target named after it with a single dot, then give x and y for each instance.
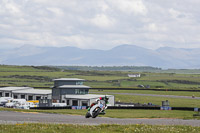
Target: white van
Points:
(4, 100)
(15, 102)
(59, 104)
(25, 105)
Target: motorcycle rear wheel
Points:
(87, 115)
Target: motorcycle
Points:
(97, 109)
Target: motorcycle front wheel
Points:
(96, 113)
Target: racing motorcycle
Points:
(97, 109)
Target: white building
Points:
(8, 91)
(32, 94)
(137, 75)
(27, 93)
(86, 100)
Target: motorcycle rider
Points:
(100, 102)
(100, 99)
(96, 102)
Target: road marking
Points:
(31, 112)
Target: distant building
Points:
(65, 90)
(137, 75)
(8, 91)
(27, 93)
(67, 86)
(72, 92)
(32, 94)
(86, 100)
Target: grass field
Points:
(42, 77)
(174, 102)
(175, 93)
(104, 128)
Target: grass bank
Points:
(105, 128)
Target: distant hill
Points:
(123, 55)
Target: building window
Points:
(84, 103)
(0, 94)
(43, 101)
(15, 96)
(81, 91)
(86, 91)
(74, 102)
(22, 96)
(79, 83)
(38, 97)
(7, 94)
(77, 91)
(30, 97)
(54, 101)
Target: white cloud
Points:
(130, 6)
(101, 20)
(13, 8)
(152, 27)
(100, 24)
(56, 11)
(174, 13)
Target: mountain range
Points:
(123, 55)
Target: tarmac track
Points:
(9, 117)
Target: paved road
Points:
(154, 95)
(18, 117)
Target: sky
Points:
(100, 24)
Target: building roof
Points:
(34, 91)
(68, 79)
(74, 86)
(86, 96)
(14, 88)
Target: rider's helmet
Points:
(106, 99)
(100, 98)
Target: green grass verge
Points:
(134, 113)
(121, 113)
(176, 93)
(174, 102)
(104, 128)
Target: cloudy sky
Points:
(100, 24)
